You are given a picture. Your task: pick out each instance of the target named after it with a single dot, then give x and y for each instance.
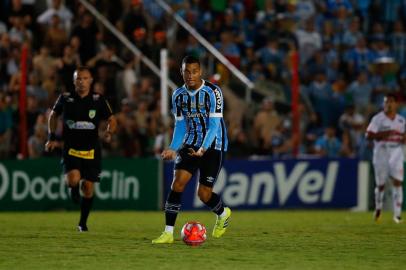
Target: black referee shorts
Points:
(209, 165)
(90, 169)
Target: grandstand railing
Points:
(216, 53)
(125, 41)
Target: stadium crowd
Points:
(351, 54)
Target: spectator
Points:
(265, 123)
(58, 8)
(352, 124)
(360, 92)
(43, 63)
(398, 43)
(56, 37)
(6, 126)
(36, 142)
(86, 33)
(65, 66)
(329, 145)
(309, 41)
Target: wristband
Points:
(52, 136)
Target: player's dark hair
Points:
(190, 59)
(83, 68)
(391, 95)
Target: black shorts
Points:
(209, 165)
(90, 169)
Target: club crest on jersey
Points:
(92, 114)
(96, 97)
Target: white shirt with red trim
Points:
(381, 122)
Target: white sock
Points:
(397, 195)
(378, 198)
(169, 229)
(223, 214)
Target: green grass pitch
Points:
(255, 240)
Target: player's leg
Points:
(72, 179)
(185, 166)
(381, 169)
(173, 205)
(214, 202)
(174, 199)
(85, 204)
(397, 193)
(396, 173)
(91, 170)
(71, 167)
(210, 167)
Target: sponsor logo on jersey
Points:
(218, 99)
(210, 179)
(70, 100)
(198, 115)
(92, 114)
(84, 125)
(81, 153)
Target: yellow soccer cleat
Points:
(221, 224)
(165, 238)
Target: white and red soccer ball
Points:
(193, 233)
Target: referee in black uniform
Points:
(82, 111)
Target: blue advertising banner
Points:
(315, 183)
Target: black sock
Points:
(85, 206)
(172, 207)
(215, 204)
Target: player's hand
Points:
(107, 137)
(51, 145)
(198, 153)
(168, 154)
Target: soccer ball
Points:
(193, 233)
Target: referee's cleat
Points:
(82, 228)
(221, 224)
(398, 219)
(377, 215)
(75, 194)
(165, 238)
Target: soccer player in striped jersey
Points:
(387, 129)
(199, 143)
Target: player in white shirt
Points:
(387, 129)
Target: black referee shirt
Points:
(81, 118)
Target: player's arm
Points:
(380, 135)
(107, 113)
(111, 127)
(178, 132)
(177, 140)
(373, 132)
(52, 143)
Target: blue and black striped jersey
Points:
(196, 107)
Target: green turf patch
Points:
(255, 240)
